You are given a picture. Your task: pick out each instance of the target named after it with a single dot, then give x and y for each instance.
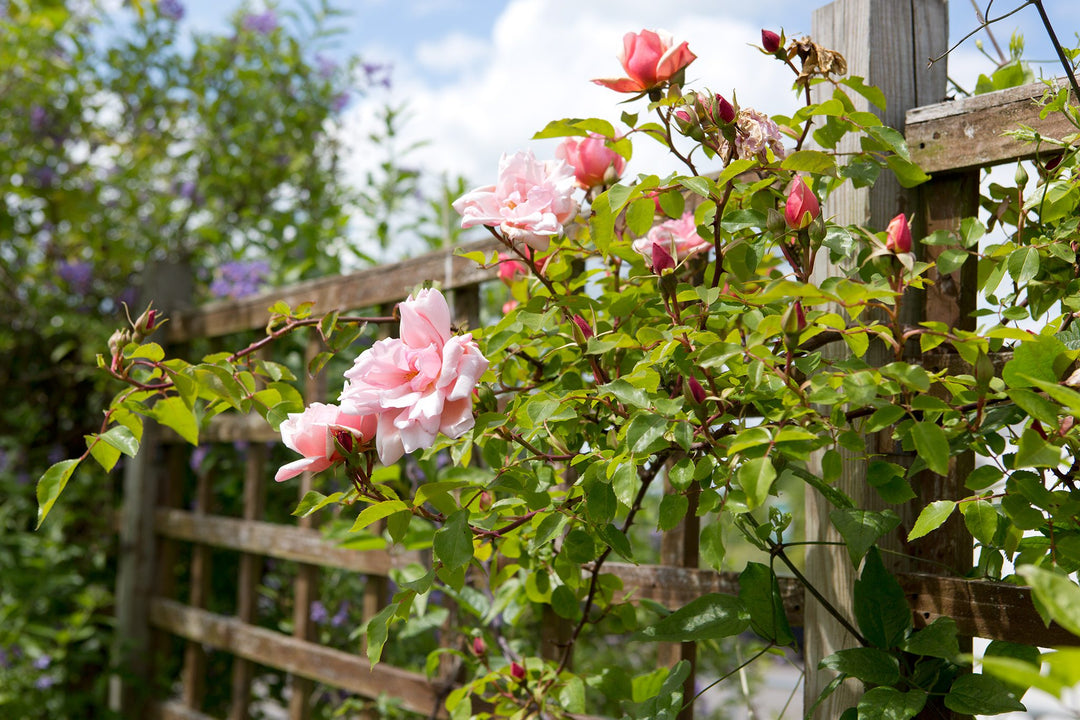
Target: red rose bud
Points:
(661, 258)
(479, 647)
(898, 235)
(517, 671)
(485, 501)
(584, 326)
(802, 206)
(770, 41)
(696, 390)
(724, 111)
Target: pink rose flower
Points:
(529, 204)
(417, 385)
(679, 238)
(649, 58)
(593, 161)
(898, 235)
(312, 432)
(802, 206)
(509, 268)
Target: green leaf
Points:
(1059, 595)
(378, 630)
(639, 216)
(814, 162)
(908, 174)
(981, 520)
(886, 703)
(1033, 451)
(672, 510)
(931, 518)
(173, 413)
(759, 591)
(378, 511)
(51, 484)
(105, 454)
(981, 695)
(932, 445)
(870, 665)
(709, 617)
(453, 541)
(1037, 359)
(862, 528)
(314, 501)
(697, 185)
(1023, 265)
(756, 477)
(122, 439)
(644, 432)
(938, 639)
(881, 607)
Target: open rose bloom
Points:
(649, 58)
(529, 204)
(312, 433)
(417, 385)
(593, 161)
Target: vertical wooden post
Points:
(169, 286)
(306, 586)
(680, 548)
(193, 674)
(248, 577)
(887, 42)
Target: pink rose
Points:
(593, 161)
(312, 432)
(679, 238)
(529, 204)
(649, 58)
(898, 235)
(417, 385)
(802, 206)
(509, 268)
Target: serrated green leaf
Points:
(932, 445)
(376, 512)
(709, 617)
(756, 477)
(886, 703)
(870, 665)
(314, 501)
(759, 592)
(862, 528)
(173, 412)
(881, 607)
(938, 639)
(453, 541)
(51, 484)
(931, 518)
(981, 695)
(378, 630)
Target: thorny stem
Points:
(981, 26)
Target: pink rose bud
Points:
(508, 306)
(510, 268)
(696, 391)
(724, 111)
(650, 58)
(898, 235)
(479, 647)
(802, 206)
(312, 433)
(485, 501)
(593, 161)
(661, 258)
(517, 671)
(584, 326)
(770, 41)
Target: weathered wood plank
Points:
(967, 134)
(174, 710)
(364, 288)
(278, 541)
(316, 662)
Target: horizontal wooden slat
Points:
(968, 133)
(310, 660)
(175, 710)
(995, 611)
(361, 289)
(285, 542)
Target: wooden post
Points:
(193, 674)
(169, 286)
(886, 42)
(680, 548)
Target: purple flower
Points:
(127, 296)
(377, 73)
(325, 66)
(263, 23)
(340, 101)
(171, 9)
(78, 275)
(5, 661)
(239, 279)
(43, 662)
(44, 682)
(340, 616)
(318, 613)
(198, 455)
(39, 118)
(187, 189)
(44, 175)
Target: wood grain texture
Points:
(283, 652)
(285, 542)
(175, 710)
(362, 289)
(969, 133)
(886, 43)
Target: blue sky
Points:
(481, 76)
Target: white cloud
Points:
(540, 57)
(452, 54)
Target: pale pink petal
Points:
(425, 320)
(307, 464)
(623, 85)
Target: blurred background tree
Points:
(127, 146)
